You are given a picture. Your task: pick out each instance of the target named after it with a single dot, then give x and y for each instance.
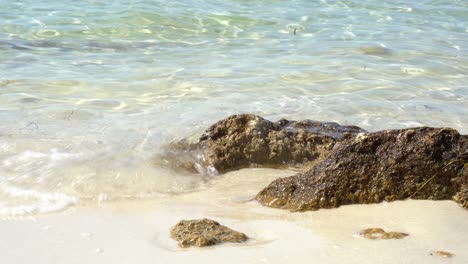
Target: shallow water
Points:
(89, 90)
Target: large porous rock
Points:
(204, 232)
(248, 140)
(418, 163)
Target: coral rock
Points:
(418, 163)
(204, 232)
(248, 140)
(379, 233)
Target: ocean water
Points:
(90, 90)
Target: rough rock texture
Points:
(462, 195)
(379, 233)
(418, 163)
(204, 232)
(248, 140)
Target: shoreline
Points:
(138, 231)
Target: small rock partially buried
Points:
(443, 254)
(204, 232)
(379, 233)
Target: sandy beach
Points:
(138, 231)
(116, 121)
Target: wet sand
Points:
(138, 231)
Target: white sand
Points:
(138, 231)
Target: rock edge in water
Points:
(204, 232)
(247, 140)
(419, 163)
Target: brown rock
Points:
(204, 232)
(462, 196)
(418, 163)
(443, 254)
(248, 140)
(379, 233)
(374, 50)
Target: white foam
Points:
(32, 202)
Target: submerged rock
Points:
(374, 50)
(204, 232)
(379, 233)
(418, 163)
(248, 140)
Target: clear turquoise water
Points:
(89, 90)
